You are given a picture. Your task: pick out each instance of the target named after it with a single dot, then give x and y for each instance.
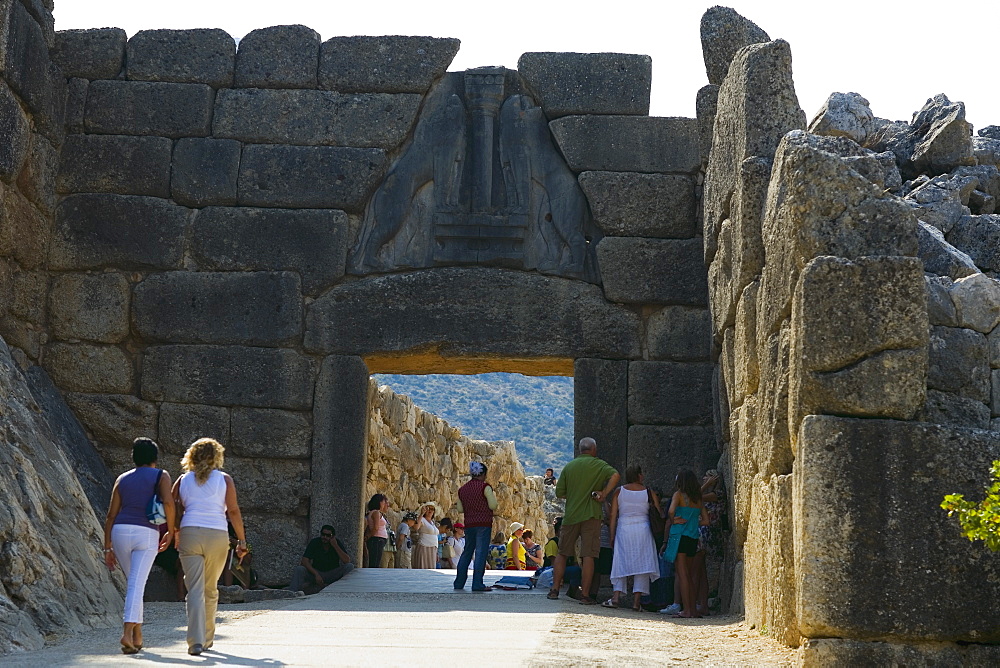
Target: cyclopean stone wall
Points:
(414, 457)
(240, 236)
(849, 372)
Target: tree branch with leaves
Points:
(979, 521)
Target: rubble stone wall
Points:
(852, 343)
(415, 457)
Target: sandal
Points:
(608, 604)
(552, 595)
(586, 600)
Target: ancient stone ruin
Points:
(205, 240)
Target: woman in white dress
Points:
(425, 549)
(632, 539)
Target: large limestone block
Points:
(37, 180)
(953, 410)
(939, 256)
(89, 368)
(959, 362)
(756, 107)
(746, 369)
(315, 117)
(627, 204)
(16, 132)
(95, 53)
(186, 56)
(51, 535)
(723, 33)
(115, 164)
(940, 306)
(443, 310)
(680, 334)
(270, 433)
(662, 451)
(600, 407)
(29, 71)
(278, 543)
(945, 137)
(817, 653)
(769, 560)
(771, 447)
(205, 171)
(977, 302)
(24, 231)
(670, 393)
(97, 231)
(278, 57)
(706, 105)
(113, 422)
(588, 83)
(279, 486)
(653, 271)
(255, 308)
(628, 143)
(182, 424)
(340, 425)
(324, 177)
(978, 236)
(76, 104)
(310, 242)
(389, 64)
(867, 355)
(149, 108)
(912, 547)
(29, 296)
(844, 115)
(228, 376)
(817, 205)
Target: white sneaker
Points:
(672, 609)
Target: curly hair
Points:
(204, 456)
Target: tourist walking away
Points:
(131, 536)
(476, 502)
(632, 538)
(580, 484)
(324, 562)
(206, 497)
(376, 529)
(532, 551)
(498, 552)
(515, 549)
(711, 541)
(685, 515)
(425, 549)
(404, 540)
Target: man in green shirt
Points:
(584, 483)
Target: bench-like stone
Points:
(588, 83)
(228, 376)
(254, 308)
(310, 177)
(626, 204)
(91, 307)
(115, 164)
(120, 231)
(312, 242)
(183, 424)
(278, 57)
(391, 64)
(185, 56)
(669, 393)
(205, 171)
(88, 368)
(271, 433)
(653, 271)
(149, 108)
(315, 117)
(527, 315)
(628, 143)
(95, 53)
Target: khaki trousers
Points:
(203, 556)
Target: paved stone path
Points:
(377, 617)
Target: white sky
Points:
(897, 54)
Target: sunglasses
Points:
(326, 535)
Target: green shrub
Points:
(979, 521)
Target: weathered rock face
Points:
(415, 457)
(52, 573)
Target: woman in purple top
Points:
(129, 537)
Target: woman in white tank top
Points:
(206, 498)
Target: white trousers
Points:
(135, 548)
(640, 583)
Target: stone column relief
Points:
(481, 182)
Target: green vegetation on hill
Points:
(536, 412)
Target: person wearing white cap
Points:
(515, 550)
(476, 501)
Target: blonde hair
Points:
(204, 456)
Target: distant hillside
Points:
(536, 412)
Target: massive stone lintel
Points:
(480, 183)
(526, 315)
